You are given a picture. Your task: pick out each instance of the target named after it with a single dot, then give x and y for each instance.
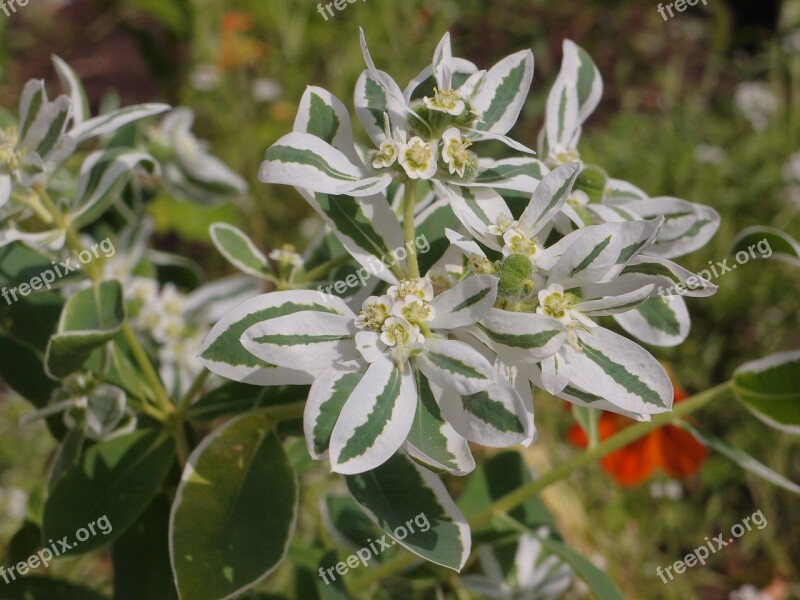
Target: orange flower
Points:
(237, 50)
(669, 448)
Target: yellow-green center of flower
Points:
(519, 243)
(374, 315)
(398, 332)
(419, 154)
(448, 101)
(386, 156)
(556, 305)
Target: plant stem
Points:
(197, 385)
(74, 242)
(323, 269)
(408, 227)
(564, 470)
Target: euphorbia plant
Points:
(389, 382)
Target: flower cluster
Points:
(534, 252)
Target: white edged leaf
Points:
(455, 365)
(310, 338)
(73, 87)
(770, 389)
(329, 392)
(464, 304)
(114, 121)
(239, 250)
(770, 243)
(375, 420)
(659, 321)
(400, 492)
(222, 351)
(548, 198)
(622, 372)
(503, 93)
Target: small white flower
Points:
(386, 155)
(286, 256)
(374, 311)
(517, 242)
(396, 331)
(756, 102)
(447, 101)
(413, 309)
(791, 170)
(501, 225)
(266, 90)
(456, 152)
(578, 199)
(554, 303)
(173, 302)
(205, 78)
(418, 158)
(421, 288)
(141, 289)
(561, 155)
(711, 155)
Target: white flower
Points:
(562, 155)
(708, 154)
(421, 288)
(791, 170)
(374, 311)
(386, 155)
(418, 158)
(141, 289)
(266, 90)
(755, 100)
(205, 77)
(447, 101)
(670, 489)
(286, 256)
(455, 151)
(748, 592)
(396, 331)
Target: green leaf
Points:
(770, 388)
(33, 587)
(235, 511)
(90, 318)
(348, 524)
(68, 455)
(240, 250)
(141, 557)
(234, 398)
(400, 496)
(601, 585)
(430, 226)
(116, 479)
(744, 460)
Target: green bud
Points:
(592, 181)
(516, 277)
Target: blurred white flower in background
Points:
(670, 489)
(266, 90)
(748, 592)
(710, 155)
(13, 503)
(205, 77)
(756, 102)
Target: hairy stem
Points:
(564, 470)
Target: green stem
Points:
(323, 269)
(197, 385)
(594, 429)
(92, 270)
(564, 470)
(284, 412)
(408, 227)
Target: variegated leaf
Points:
(464, 304)
(239, 250)
(376, 419)
(401, 495)
(503, 93)
(114, 121)
(223, 353)
(660, 321)
(327, 398)
(622, 372)
(432, 440)
(455, 365)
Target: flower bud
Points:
(516, 277)
(592, 181)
